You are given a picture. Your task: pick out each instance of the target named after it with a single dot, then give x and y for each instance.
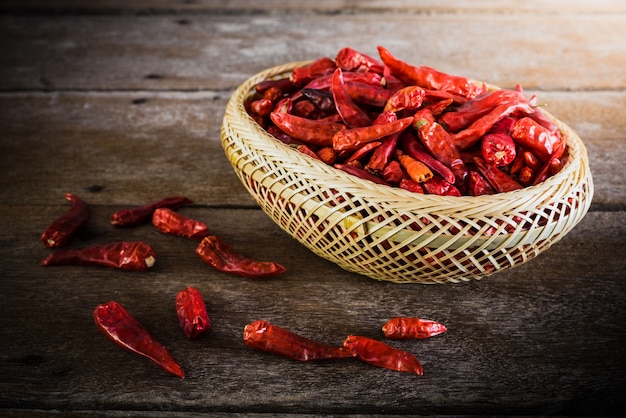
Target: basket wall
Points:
(387, 233)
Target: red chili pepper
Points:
(221, 256)
(321, 66)
(439, 143)
(322, 99)
(408, 328)
(471, 135)
(352, 115)
(143, 214)
(262, 107)
(498, 149)
(411, 186)
(192, 313)
(379, 354)
(349, 59)
(124, 330)
(367, 94)
(351, 139)
(439, 186)
(410, 144)
(525, 175)
(283, 84)
(500, 181)
(360, 173)
(169, 222)
(382, 154)
(308, 151)
(392, 172)
(310, 131)
(134, 256)
(324, 82)
(544, 143)
(407, 98)
(327, 154)
(264, 336)
(430, 78)
(65, 227)
(363, 151)
(478, 186)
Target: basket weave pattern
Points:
(388, 233)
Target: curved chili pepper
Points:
(430, 78)
(408, 328)
(359, 172)
(283, 84)
(322, 99)
(124, 330)
(498, 149)
(410, 144)
(544, 143)
(478, 186)
(393, 173)
(264, 336)
(367, 94)
(217, 253)
(417, 170)
(143, 214)
(352, 115)
(169, 222)
(65, 227)
(411, 186)
(134, 256)
(191, 312)
(379, 354)
(500, 181)
(382, 154)
(351, 139)
(310, 131)
(407, 98)
(321, 66)
(439, 186)
(349, 59)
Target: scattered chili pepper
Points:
(124, 255)
(65, 227)
(169, 222)
(351, 139)
(221, 256)
(417, 170)
(407, 328)
(379, 354)
(498, 149)
(430, 78)
(143, 214)
(124, 330)
(352, 115)
(264, 336)
(500, 181)
(191, 312)
(310, 131)
(544, 143)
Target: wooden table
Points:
(121, 103)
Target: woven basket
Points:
(388, 233)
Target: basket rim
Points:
(577, 152)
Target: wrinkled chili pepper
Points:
(143, 214)
(478, 185)
(471, 135)
(379, 354)
(65, 227)
(417, 170)
(126, 331)
(283, 84)
(544, 143)
(169, 222)
(321, 66)
(308, 151)
(351, 139)
(124, 255)
(411, 186)
(264, 336)
(430, 78)
(221, 256)
(192, 313)
(525, 176)
(360, 173)
(439, 186)
(382, 154)
(310, 131)
(323, 99)
(367, 94)
(349, 59)
(407, 98)
(392, 172)
(498, 149)
(363, 151)
(500, 181)
(408, 328)
(411, 145)
(352, 115)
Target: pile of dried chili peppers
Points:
(410, 126)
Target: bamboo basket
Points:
(387, 233)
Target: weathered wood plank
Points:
(206, 52)
(533, 322)
(133, 144)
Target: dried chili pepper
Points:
(367, 94)
(411, 186)
(392, 172)
(417, 170)
(310, 131)
(221, 256)
(352, 115)
(143, 214)
(441, 187)
(411, 145)
(349, 59)
(430, 78)
(65, 227)
(544, 143)
(126, 331)
(124, 255)
(264, 336)
(379, 354)
(363, 151)
(192, 313)
(170, 222)
(407, 98)
(408, 328)
(382, 154)
(500, 181)
(322, 99)
(351, 139)
(283, 84)
(498, 149)
(360, 173)
(321, 66)
(478, 185)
